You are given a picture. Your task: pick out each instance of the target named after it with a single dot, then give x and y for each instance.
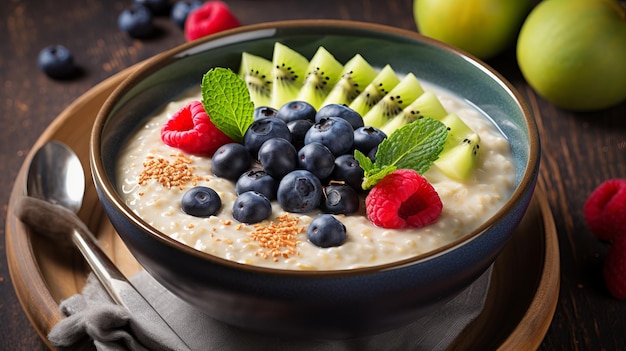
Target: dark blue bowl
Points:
(334, 304)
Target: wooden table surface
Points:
(579, 150)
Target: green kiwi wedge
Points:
(392, 104)
(356, 75)
(459, 162)
(288, 72)
(256, 71)
(382, 84)
(457, 131)
(322, 74)
(426, 105)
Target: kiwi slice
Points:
(382, 84)
(457, 131)
(459, 162)
(256, 71)
(288, 72)
(392, 104)
(460, 152)
(322, 74)
(426, 105)
(356, 75)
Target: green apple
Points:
(573, 53)
(484, 28)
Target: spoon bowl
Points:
(56, 175)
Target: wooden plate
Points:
(520, 305)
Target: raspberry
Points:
(191, 130)
(211, 17)
(605, 210)
(401, 199)
(614, 270)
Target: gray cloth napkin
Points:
(92, 315)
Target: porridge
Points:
(153, 177)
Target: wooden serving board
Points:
(520, 304)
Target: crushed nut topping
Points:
(278, 239)
(169, 174)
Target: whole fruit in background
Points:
(211, 17)
(137, 21)
(484, 28)
(573, 53)
(57, 62)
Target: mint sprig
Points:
(414, 146)
(226, 100)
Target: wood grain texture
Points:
(580, 150)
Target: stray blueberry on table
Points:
(57, 62)
(156, 7)
(326, 231)
(181, 9)
(201, 201)
(137, 21)
(251, 207)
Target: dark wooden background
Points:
(580, 150)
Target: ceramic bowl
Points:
(333, 304)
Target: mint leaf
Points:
(226, 100)
(415, 146)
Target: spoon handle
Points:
(57, 222)
(119, 288)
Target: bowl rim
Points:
(151, 65)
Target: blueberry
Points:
(299, 191)
(326, 231)
(372, 154)
(298, 129)
(257, 180)
(262, 130)
(136, 20)
(317, 159)
(201, 201)
(264, 111)
(230, 161)
(57, 62)
(366, 138)
(278, 157)
(340, 199)
(295, 110)
(341, 111)
(156, 7)
(348, 170)
(333, 132)
(181, 10)
(251, 207)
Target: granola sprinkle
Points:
(170, 174)
(278, 239)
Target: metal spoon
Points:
(56, 176)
